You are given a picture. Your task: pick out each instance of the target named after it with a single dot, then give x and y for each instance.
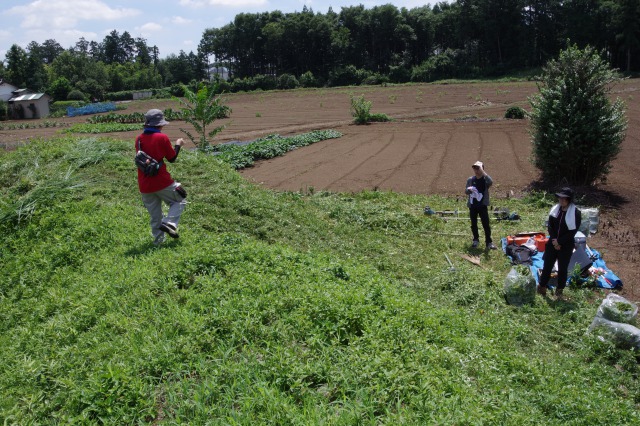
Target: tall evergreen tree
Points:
(17, 66)
(576, 129)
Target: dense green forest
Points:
(458, 39)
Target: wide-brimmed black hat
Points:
(565, 192)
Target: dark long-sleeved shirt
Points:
(558, 229)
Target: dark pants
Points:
(483, 212)
(563, 256)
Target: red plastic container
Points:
(519, 239)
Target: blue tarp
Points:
(609, 280)
(91, 109)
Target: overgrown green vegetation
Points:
(274, 308)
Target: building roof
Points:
(27, 97)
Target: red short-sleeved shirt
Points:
(158, 146)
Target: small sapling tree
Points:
(576, 129)
(200, 110)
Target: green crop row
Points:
(103, 128)
(241, 156)
(40, 125)
(134, 117)
(138, 117)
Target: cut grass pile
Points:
(274, 308)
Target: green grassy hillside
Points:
(272, 308)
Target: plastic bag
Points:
(624, 336)
(590, 220)
(618, 309)
(520, 286)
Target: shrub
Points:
(59, 108)
(347, 76)
(576, 129)
(375, 79)
(399, 74)
(515, 113)
(378, 118)
(308, 80)
(163, 93)
(60, 89)
(437, 67)
(264, 82)
(242, 85)
(223, 86)
(76, 95)
(287, 81)
(177, 90)
(91, 88)
(125, 95)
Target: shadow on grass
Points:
(584, 195)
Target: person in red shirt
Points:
(160, 188)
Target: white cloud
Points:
(150, 27)
(232, 3)
(5, 35)
(180, 20)
(64, 14)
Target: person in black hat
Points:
(160, 188)
(564, 222)
(477, 191)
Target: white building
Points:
(25, 104)
(221, 72)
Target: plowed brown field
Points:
(438, 132)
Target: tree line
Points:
(458, 39)
(463, 38)
(89, 70)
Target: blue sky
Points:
(172, 25)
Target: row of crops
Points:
(41, 125)
(241, 156)
(134, 117)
